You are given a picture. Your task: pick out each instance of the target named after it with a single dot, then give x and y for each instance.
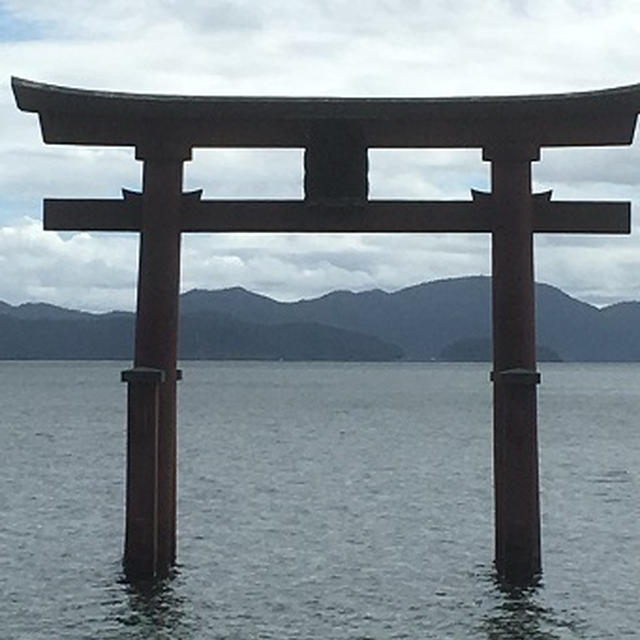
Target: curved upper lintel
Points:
(77, 116)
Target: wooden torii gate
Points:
(336, 135)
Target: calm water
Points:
(327, 501)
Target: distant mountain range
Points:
(441, 320)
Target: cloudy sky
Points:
(416, 48)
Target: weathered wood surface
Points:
(373, 216)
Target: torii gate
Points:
(336, 134)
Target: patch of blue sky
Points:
(13, 208)
(15, 29)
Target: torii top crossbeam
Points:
(73, 116)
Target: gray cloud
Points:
(75, 270)
(611, 168)
(313, 47)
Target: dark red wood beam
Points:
(372, 216)
(76, 116)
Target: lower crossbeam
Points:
(372, 216)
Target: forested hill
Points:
(445, 319)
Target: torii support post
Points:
(156, 341)
(517, 505)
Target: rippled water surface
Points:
(326, 501)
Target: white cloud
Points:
(79, 270)
(246, 173)
(312, 47)
(591, 272)
(609, 170)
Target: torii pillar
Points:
(150, 540)
(514, 375)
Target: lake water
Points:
(318, 501)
